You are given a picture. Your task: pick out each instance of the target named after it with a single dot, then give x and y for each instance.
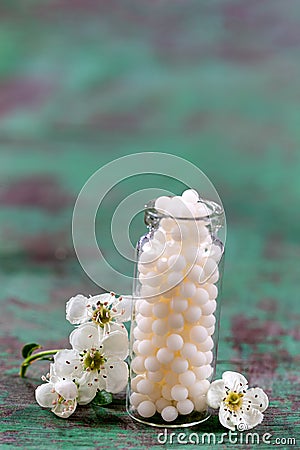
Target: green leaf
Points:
(102, 398)
(29, 348)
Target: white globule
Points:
(172, 345)
(174, 342)
(192, 314)
(164, 356)
(145, 347)
(161, 310)
(179, 392)
(185, 406)
(146, 408)
(169, 414)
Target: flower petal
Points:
(123, 307)
(44, 395)
(87, 335)
(116, 375)
(113, 326)
(88, 388)
(252, 417)
(67, 389)
(65, 409)
(225, 417)
(115, 344)
(234, 381)
(76, 309)
(215, 394)
(66, 364)
(257, 398)
(106, 298)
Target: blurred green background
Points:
(83, 82)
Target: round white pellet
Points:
(207, 345)
(158, 341)
(198, 333)
(199, 388)
(174, 342)
(179, 365)
(188, 289)
(155, 394)
(135, 381)
(208, 321)
(187, 378)
(145, 387)
(179, 304)
(149, 293)
(169, 414)
(159, 326)
(162, 403)
(161, 310)
(136, 399)
(209, 357)
(209, 307)
(163, 203)
(145, 325)
(192, 314)
(166, 392)
(171, 378)
(212, 290)
(146, 408)
(148, 257)
(143, 268)
(179, 392)
(156, 377)
(188, 350)
(203, 372)
(159, 236)
(195, 274)
(145, 309)
(177, 262)
(139, 335)
(198, 359)
(137, 364)
(162, 265)
(152, 364)
(175, 321)
(166, 224)
(200, 297)
(185, 406)
(164, 356)
(190, 195)
(174, 278)
(146, 348)
(152, 279)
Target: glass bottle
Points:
(175, 311)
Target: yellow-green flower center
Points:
(101, 315)
(93, 360)
(234, 400)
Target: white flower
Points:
(59, 396)
(105, 310)
(240, 408)
(96, 361)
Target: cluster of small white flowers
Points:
(96, 360)
(175, 321)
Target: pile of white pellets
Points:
(174, 313)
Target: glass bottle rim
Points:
(215, 213)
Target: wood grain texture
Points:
(83, 82)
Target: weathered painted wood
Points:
(83, 82)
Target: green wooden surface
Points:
(83, 82)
